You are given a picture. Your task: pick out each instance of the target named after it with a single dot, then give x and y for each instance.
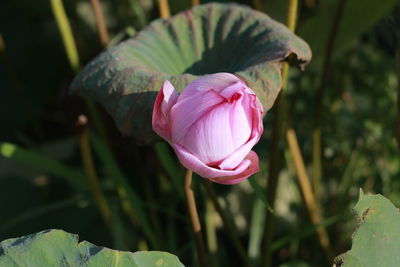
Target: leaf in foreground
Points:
(376, 241)
(59, 248)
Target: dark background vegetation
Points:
(358, 124)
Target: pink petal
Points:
(247, 167)
(257, 128)
(165, 99)
(241, 121)
(186, 112)
(251, 169)
(210, 137)
(233, 89)
(170, 97)
(216, 82)
(234, 159)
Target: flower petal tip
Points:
(166, 98)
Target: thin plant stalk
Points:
(12, 74)
(292, 15)
(273, 173)
(163, 7)
(228, 225)
(310, 3)
(154, 219)
(256, 228)
(8, 67)
(274, 160)
(319, 97)
(194, 219)
(211, 233)
(398, 95)
(43, 163)
(303, 232)
(138, 12)
(308, 194)
(130, 200)
(66, 33)
(2, 44)
(90, 171)
(256, 4)
(73, 58)
(37, 212)
(100, 22)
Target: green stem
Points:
(228, 225)
(398, 95)
(211, 232)
(35, 213)
(73, 58)
(275, 155)
(273, 173)
(96, 119)
(304, 232)
(319, 97)
(66, 34)
(256, 229)
(91, 174)
(130, 199)
(138, 11)
(312, 205)
(43, 163)
(169, 163)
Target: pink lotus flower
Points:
(212, 126)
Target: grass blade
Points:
(303, 232)
(170, 166)
(260, 193)
(43, 163)
(130, 200)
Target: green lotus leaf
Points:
(205, 39)
(376, 241)
(58, 248)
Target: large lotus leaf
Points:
(376, 242)
(57, 248)
(205, 39)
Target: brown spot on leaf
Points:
(338, 262)
(365, 213)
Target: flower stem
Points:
(211, 233)
(227, 220)
(308, 194)
(66, 34)
(73, 57)
(163, 8)
(397, 43)
(275, 165)
(319, 96)
(90, 171)
(275, 158)
(101, 24)
(194, 219)
(292, 15)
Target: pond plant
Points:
(203, 81)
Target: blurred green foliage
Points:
(38, 116)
